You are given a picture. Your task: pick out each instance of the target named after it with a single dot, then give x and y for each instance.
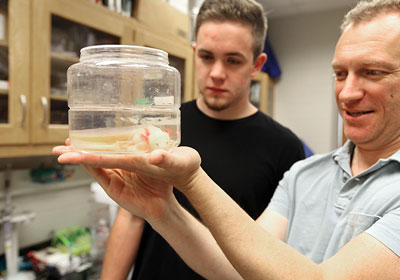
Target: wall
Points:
(304, 98)
(56, 205)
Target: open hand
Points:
(142, 184)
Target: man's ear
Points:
(194, 47)
(258, 64)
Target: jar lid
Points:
(124, 51)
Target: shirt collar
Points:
(342, 156)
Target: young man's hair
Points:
(366, 10)
(247, 12)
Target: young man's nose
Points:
(218, 70)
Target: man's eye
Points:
(340, 76)
(373, 72)
(206, 57)
(234, 61)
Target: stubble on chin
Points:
(215, 104)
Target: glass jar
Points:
(123, 99)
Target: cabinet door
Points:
(14, 71)
(180, 56)
(60, 29)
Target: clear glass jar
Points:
(123, 99)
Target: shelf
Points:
(4, 43)
(58, 97)
(22, 184)
(63, 58)
(3, 91)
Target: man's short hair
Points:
(248, 12)
(366, 10)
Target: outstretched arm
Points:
(256, 253)
(253, 251)
(153, 200)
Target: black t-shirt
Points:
(245, 157)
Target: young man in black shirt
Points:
(243, 150)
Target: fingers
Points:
(158, 164)
(157, 158)
(68, 156)
(59, 150)
(166, 159)
(125, 161)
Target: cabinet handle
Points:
(22, 98)
(44, 104)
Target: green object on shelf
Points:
(47, 175)
(142, 101)
(74, 240)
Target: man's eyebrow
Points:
(227, 54)
(383, 64)
(205, 50)
(235, 54)
(370, 63)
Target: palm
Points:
(139, 183)
(141, 195)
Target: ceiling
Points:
(281, 8)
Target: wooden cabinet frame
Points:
(16, 131)
(174, 46)
(266, 95)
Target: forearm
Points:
(194, 244)
(254, 252)
(122, 246)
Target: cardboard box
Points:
(163, 17)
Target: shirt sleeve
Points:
(280, 201)
(387, 230)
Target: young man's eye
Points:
(205, 57)
(233, 61)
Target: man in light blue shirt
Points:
(322, 193)
(334, 216)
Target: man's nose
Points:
(351, 89)
(218, 70)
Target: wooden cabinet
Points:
(43, 39)
(60, 29)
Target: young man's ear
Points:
(258, 64)
(194, 47)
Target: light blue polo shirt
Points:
(327, 207)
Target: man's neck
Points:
(231, 113)
(364, 158)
